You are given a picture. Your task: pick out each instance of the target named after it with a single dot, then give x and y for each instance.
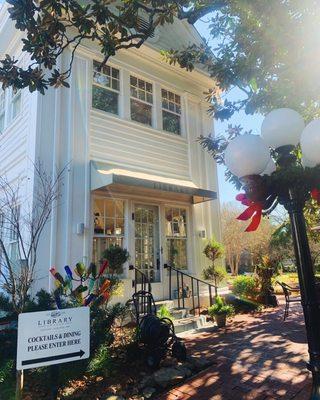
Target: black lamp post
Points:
(309, 298)
(288, 181)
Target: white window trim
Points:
(7, 111)
(3, 109)
(180, 115)
(152, 105)
(13, 97)
(124, 99)
(119, 92)
(103, 235)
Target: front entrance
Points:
(147, 242)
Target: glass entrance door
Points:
(147, 249)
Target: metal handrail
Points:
(145, 282)
(194, 281)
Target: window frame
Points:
(110, 89)
(153, 93)
(180, 115)
(13, 237)
(123, 237)
(13, 97)
(3, 108)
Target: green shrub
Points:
(101, 361)
(6, 371)
(220, 308)
(164, 312)
(102, 318)
(245, 286)
(116, 257)
(242, 305)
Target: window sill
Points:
(137, 125)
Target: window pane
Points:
(107, 76)
(109, 226)
(171, 122)
(141, 95)
(1, 122)
(2, 100)
(141, 84)
(119, 226)
(115, 73)
(176, 222)
(115, 84)
(133, 92)
(101, 244)
(171, 101)
(101, 79)
(177, 253)
(141, 90)
(149, 98)
(98, 216)
(106, 70)
(149, 87)
(16, 104)
(141, 112)
(133, 81)
(105, 100)
(110, 209)
(119, 204)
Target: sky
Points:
(248, 122)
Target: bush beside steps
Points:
(242, 305)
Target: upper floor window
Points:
(141, 100)
(15, 103)
(106, 88)
(2, 109)
(171, 112)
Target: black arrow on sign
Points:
(53, 358)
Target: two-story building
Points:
(136, 174)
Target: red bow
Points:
(254, 211)
(315, 194)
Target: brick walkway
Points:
(256, 358)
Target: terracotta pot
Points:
(221, 320)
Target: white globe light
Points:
(307, 163)
(247, 155)
(282, 127)
(271, 167)
(310, 142)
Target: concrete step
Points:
(179, 313)
(189, 323)
(167, 303)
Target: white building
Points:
(137, 175)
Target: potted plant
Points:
(116, 257)
(220, 311)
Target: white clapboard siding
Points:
(13, 141)
(116, 141)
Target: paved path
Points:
(257, 357)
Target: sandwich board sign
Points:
(53, 337)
